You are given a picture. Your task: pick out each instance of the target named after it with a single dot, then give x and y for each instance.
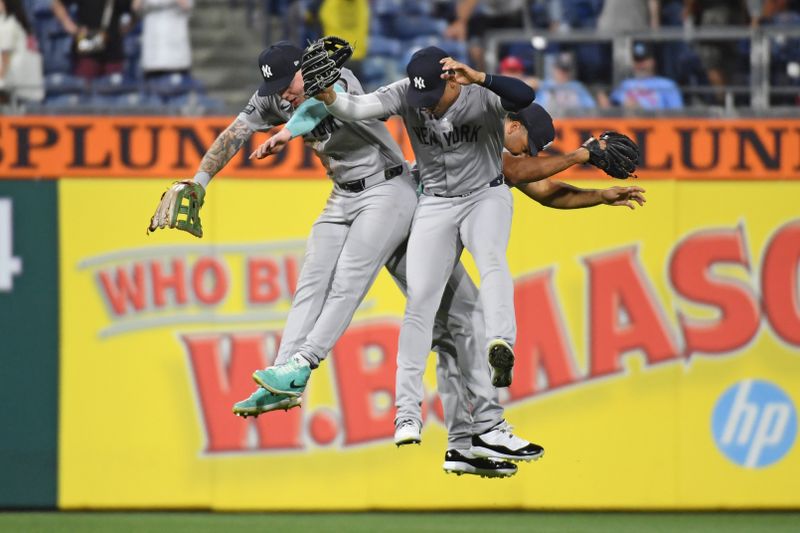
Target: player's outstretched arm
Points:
(522, 169)
(179, 206)
(222, 150)
(304, 119)
(560, 195)
(352, 107)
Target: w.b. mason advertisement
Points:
(657, 357)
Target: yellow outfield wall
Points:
(658, 357)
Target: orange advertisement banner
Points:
(158, 147)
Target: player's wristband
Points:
(203, 178)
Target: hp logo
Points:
(754, 423)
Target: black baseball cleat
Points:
(500, 443)
(501, 359)
(463, 463)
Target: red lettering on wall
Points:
(779, 282)
(120, 290)
(176, 282)
(624, 314)
(541, 337)
(292, 272)
(209, 281)
(365, 363)
(690, 271)
(263, 284)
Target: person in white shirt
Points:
(166, 48)
(20, 64)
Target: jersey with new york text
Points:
(348, 150)
(459, 152)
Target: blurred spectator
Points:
(475, 17)
(166, 48)
(619, 17)
(513, 66)
(784, 52)
(574, 13)
(98, 48)
(20, 63)
(348, 19)
(646, 90)
(624, 16)
(563, 92)
(780, 12)
(719, 57)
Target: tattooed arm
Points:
(224, 148)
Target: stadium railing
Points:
(760, 42)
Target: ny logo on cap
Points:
(419, 83)
(266, 71)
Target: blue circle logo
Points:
(754, 423)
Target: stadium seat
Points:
(115, 90)
(173, 85)
(404, 26)
(456, 49)
(59, 84)
(377, 71)
(384, 46)
(64, 100)
(193, 104)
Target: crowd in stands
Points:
(663, 76)
(102, 54)
(137, 53)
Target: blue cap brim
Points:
(417, 98)
(274, 86)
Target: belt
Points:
(499, 180)
(366, 183)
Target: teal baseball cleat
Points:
(289, 378)
(263, 401)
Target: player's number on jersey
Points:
(9, 264)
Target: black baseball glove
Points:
(322, 62)
(619, 157)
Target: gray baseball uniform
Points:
(358, 232)
(465, 203)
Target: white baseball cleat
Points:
(500, 443)
(407, 431)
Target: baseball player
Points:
(454, 118)
(484, 423)
(366, 219)
(526, 134)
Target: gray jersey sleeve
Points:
(393, 97)
(262, 113)
(493, 103)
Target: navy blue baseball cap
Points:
(425, 74)
(278, 65)
(539, 124)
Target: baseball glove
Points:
(182, 198)
(322, 62)
(619, 157)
